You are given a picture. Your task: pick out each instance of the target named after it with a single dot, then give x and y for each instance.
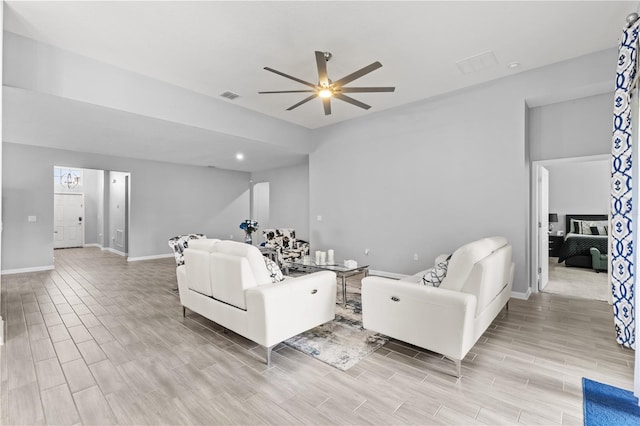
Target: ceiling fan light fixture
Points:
(325, 93)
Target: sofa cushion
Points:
(196, 263)
(464, 259)
(435, 275)
(206, 244)
(231, 276)
(274, 270)
(253, 256)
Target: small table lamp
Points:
(553, 218)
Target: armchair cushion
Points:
(284, 241)
(180, 243)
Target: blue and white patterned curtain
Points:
(621, 253)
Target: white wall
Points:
(579, 188)
(288, 198)
(429, 177)
(166, 200)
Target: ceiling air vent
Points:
(229, 95)
(477, 62)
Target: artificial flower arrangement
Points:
(249, 226)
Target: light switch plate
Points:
(31, 218)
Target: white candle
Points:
(317, 257)
(330, 259)
(323, 257)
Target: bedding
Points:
(579, 245)
(575, 250)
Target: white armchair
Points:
(228, 282)
(448, 319)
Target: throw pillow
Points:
(274, 270)
(436, 275)
(594, 230)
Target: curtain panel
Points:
(621, 250)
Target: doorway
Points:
(91, 209)
(564, 188)
(68, 215)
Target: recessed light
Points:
(239, 156)
(514, 65)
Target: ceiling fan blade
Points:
(366, 89)
(326, 102)
(323, 79)
(290, 77)
(351, 100)
(361, 72)
(302, 102)
(288, 91)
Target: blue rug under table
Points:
(608, 405)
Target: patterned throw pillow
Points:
(274, 270)
(435, 275)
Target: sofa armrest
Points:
(279, 311)
(433, 318)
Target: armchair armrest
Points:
(279, 311)
(437, 319)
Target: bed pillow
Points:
(576, 226)
(587, 227)
(436, 275)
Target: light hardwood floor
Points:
(103, 341)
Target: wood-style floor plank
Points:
(100, 340)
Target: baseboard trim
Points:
(520, 295)
(92, 245)
(26, 270)
(387, 274)
(114, 251)
(156, 256)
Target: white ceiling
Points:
(212, 47)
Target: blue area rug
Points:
(608, 405)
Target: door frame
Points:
(54, 212)
(534, 246)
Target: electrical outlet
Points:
(231, 236)
(366, 252)
(319, 218)
(415, 256)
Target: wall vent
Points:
(478, 62)
(119, 237)
(229, 95)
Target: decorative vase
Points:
(247, 238)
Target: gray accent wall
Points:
(579, 188)
(576, 128)
(424, 179)
(288, 198)
(166, 200)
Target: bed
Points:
(575, 249)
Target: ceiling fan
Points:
(327, 89)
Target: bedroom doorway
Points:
(576, 187)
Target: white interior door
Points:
(68, 214)
(543, 227)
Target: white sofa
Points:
(228, 282)
(448, 319)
